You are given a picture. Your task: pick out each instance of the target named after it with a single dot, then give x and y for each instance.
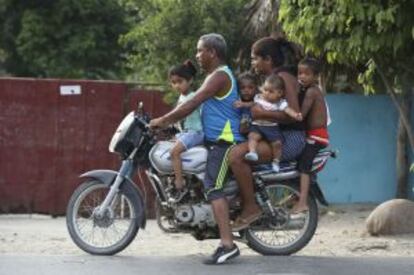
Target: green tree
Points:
(263, 20)
(376, 33)
(62, 38)
(167, 32)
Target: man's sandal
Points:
(242, 223)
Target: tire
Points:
(255, 242)
(126, 197)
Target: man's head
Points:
(211, 49)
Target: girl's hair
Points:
(248, 76)
(276, 82)
(312, 63)
(187, 70)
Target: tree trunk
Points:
(405, 119)
(403, 164)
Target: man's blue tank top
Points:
(221, 120)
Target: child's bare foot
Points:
(299, 208)
(178, 195)
(180, 190)
(179, 184)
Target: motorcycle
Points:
(105, 212)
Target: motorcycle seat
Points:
(288, 166)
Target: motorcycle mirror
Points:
(140, 106)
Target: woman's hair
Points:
(187, 70)
(312, 63)
(276, 82)
(271, 47)
(248, 76)
(280, 51)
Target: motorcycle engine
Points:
(200, 215)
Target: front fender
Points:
(104, 176)
(107, 177)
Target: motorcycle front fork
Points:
(124, 171)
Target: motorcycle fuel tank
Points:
(193, 160)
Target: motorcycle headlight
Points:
(126, 136)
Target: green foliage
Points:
(62, 38)
(367, 77)
(168, 32)
(374, 33)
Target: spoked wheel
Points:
(281, 234)
(101, 232)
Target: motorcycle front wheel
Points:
(283, 235)
(111, 231)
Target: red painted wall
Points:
(47, 139)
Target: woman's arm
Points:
(291, 96)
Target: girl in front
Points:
(181, 77)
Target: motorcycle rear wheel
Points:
(290, 237)
(110, 233)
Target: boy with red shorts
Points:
(314, 114)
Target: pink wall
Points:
(47, 139)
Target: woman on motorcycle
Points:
(268, 57)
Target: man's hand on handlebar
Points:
(158, 123)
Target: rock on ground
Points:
(391, 218)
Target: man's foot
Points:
(243, 222)
(222, 255)
(251, 156)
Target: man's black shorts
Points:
(217, 169)
(308, 155)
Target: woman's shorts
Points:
(293, 144)
(190, 138)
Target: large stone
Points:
(391, 218)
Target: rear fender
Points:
(317, 192)
(107, 177)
